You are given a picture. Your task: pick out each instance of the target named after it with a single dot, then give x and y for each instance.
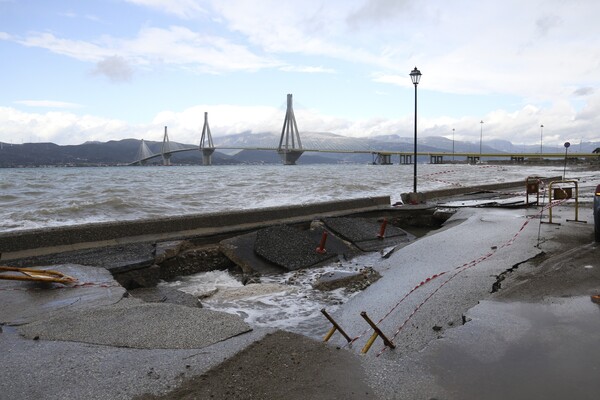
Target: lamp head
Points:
(415, 76)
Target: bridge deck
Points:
(392, 152)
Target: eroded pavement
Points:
(447, 346)
(535, 337)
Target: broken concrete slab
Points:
(240, 250)
(117, 259)
(279, 249)
(363, 232)
(165, 294)
(293, 248)
(135, 324)
(24, 302)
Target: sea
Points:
(33, 198)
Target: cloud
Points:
(561, 123)
(185, 9)
(116, 68)
(59, 127)
(584, 91)
(378, 11)
(48, 104)
(310, 70)
(72, 15)
(177, 46)
(68, 14)
(462, 48)
(308, 28)
(78, 49)
(545, 24)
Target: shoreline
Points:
(43, 241)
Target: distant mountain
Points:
(120, 152)
(123, 152)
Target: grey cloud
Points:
(584, 91)
(544, 24)
(374, 11)
(115, 68)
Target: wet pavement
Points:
(25, 302)
(535, 338)
(512, 350)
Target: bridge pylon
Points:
(206, 143)
(166, 149)
(292, 149)
(143, 153)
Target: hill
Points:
(124, 152)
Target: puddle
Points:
(284, 301)
(519, 350)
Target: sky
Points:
(73, 71)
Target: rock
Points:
(252, 290)
(192, 261)
(250, 278)
(352, 281)
(166, 250)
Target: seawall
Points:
(36, 242)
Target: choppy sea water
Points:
(45, 197)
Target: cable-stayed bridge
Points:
(291, 147)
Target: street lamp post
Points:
(541, 140)
(415, 76)
(567, 145)
(452, 144)
(480, 139)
